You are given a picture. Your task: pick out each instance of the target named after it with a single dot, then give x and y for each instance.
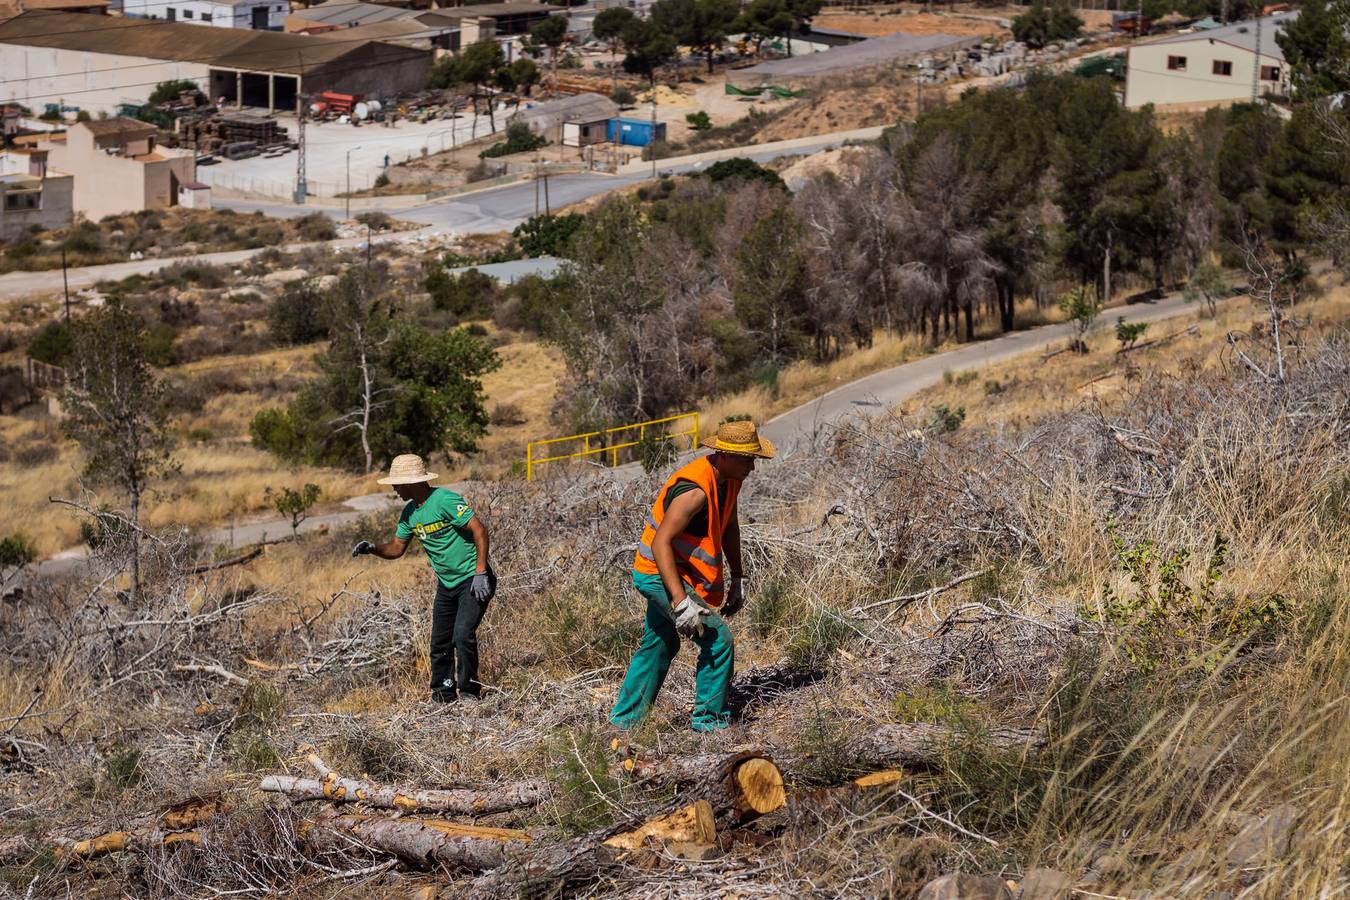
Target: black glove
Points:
(735, 598)
(362, 548)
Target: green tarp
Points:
(779, 92)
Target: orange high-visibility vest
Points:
(698, 557)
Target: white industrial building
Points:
(260, 15)
(58, 58)
(1213, 67)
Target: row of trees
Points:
(701, 286)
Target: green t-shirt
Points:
(440, 523)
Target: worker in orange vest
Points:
(691, 532)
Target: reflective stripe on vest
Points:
(697, 557)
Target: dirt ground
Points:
(895, 20)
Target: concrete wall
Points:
(360, 76)
(222, 15)
(109, 185)
(97, 82)
(1148, 80)
(55, 208)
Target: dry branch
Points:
(459, 801)
(175, 825)
(217, 670)
(906, 599)
(225, 563)
(919, 745)
(694, 824)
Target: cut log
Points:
(738, 786)
(425, 843)
(694, 824)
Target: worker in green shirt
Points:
(456, 544)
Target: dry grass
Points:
(1146, 776)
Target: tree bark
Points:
(425, 843)
(457, 802)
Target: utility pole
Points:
(348, 198)
(301, 189)
(65, 281)
(367, 243)
(651, 138)
(1256, 61)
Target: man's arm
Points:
(390, 549)
(677, 518)
(731, 544)
(478, 531)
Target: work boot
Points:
(443, 697)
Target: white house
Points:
(1208, 68)
(262, 15)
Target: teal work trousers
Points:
(651, 662)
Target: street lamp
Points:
(348, 214)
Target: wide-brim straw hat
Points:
(742, 439)
(407, 469)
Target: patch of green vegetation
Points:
(939, 704)
(260, 708)
(371, 753)
(122, 768)
(770, 608)
(824, 632)
(585, 785)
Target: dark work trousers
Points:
(455, 616)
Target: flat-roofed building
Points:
(118, 167)
(58, 58)
(259, 15)
(1212, 67)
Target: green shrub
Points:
(939, 704)
(16, 550)
(53, 344)
(369, 752)
(770, 608)
(466, 295)
(946, 419)
(261, 707)
(122, 769)
(547, 235)
(816, 640)
(84, 238)
(272, 430)
(519, 139)
(167, 91)
(376, 220)
(315, 227)
(699, 121)
(296, 315)
(744, 169)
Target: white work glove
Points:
(482, 588)
(735, 597)
(362, 548)
(689, 615)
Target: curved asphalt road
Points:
(877, 393)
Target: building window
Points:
(1270, 73)
(1176, 63)
(207, 17)
(187, 14)
(20, 201)
(1223, 67)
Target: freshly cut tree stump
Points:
(425, 843)
(738, 786)
(457, 802)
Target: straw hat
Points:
(742, 439)
(407, 469)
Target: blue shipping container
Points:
(635, 132)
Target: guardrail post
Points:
(529, 461)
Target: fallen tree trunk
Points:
(692, 824)
(459, 802)
(425, 843)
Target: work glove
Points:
(482, 588)
(735, 597)
(689, 615)
(362, 548)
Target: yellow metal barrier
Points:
(601, 437)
